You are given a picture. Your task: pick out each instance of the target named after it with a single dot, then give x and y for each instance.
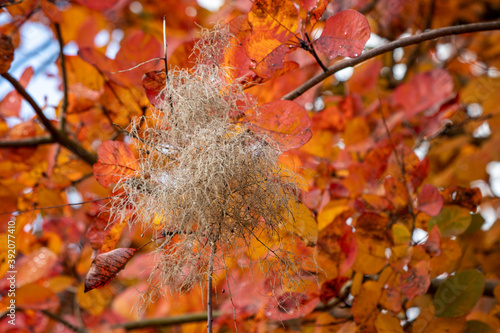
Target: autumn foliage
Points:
(325, 166)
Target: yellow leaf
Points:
(331, 210)
(95, 300)
(385, 323)
(302, 223)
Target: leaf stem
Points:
(311, 50)
(424, 36)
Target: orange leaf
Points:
(433, 243)
(366, 302)
(35, 297)
(286, 122)
(469, 198)
(267, 52)
(345, 34)
(105, 267)
(277, 17)
(6, 53)
(35, 266)
(115, 161)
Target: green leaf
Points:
(458, 294)
(452, 221)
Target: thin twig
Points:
(64, 106)
(60, 206)
(57, 135)
(167, 321)
(30, 142)
(210, 317)
(57, 318)
(137, 66)
(400, 160)
(428, 35)
(165, 46)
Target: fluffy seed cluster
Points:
(211, 189)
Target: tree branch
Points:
(428, 35)
(57, 135)
(30, 142)
(169, 321)
(64, 106)
(57, 318)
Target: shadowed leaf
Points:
(6, 53)
(458, 294)
(452, 221)
(105, 267)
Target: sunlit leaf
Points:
(302, 223)
(35, 266)
(285, 122)
(153, 83)
(115, 161)
(365, 304)
(105, 267)
(11, 103)
(458, 294)
(345, 34)
(452, 221)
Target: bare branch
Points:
(57, 135)
(168, 321)
(428, 35)
(64, 76)
(30, 142)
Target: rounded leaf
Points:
(345, 34)
(458, 294)
(452, 221)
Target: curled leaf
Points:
(105, 267)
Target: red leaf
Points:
(105, 267)
(98, 4)
(11, 104)
(433, 243)
(345, 34)
(153, 83)
(417, 280)
(115, 161)
(429, 200)
(426, 91)
(286, 122)
(291, 305)
(331, 288)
